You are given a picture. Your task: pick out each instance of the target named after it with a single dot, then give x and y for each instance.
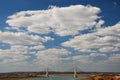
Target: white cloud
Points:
(51, 57)
(27, 51)
(110, 30)
(97, 54)
(62, 21)
(15, 58)
(81, 43)
(52, 53)
(19, 48)
(114, 58)
(100, 23)
(14, 54)
(104, 39)
(12, 57)
(110, 49)
(18, 53)
(82, 59)
(20, 38)
(38, 47)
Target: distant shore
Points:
(92, 75)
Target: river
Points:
(52, 78)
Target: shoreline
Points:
(24, 75)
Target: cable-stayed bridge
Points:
(66, 70)
(78, 69)
(72, 71)
(75, 71)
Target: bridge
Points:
(70, 72)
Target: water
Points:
(52, 78)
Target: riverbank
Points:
(88, 76)
(105, 77)
(13, 76)
(101, 77)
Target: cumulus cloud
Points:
(18, 58)
(53, 58)
(20, 38)
(82, 59)
(12, 57)
(37, 47)
(53, 54)
(29, 30)
(114, 58)
(103, 40)
(15, 58)
(62, 21)
(110, 30)
(95, 55)
(110, 49)
(100, 23)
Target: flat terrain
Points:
(90, 76)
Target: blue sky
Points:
(59, 34)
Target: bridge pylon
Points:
(47, 73)
(75, 73)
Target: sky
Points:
(59, 34)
